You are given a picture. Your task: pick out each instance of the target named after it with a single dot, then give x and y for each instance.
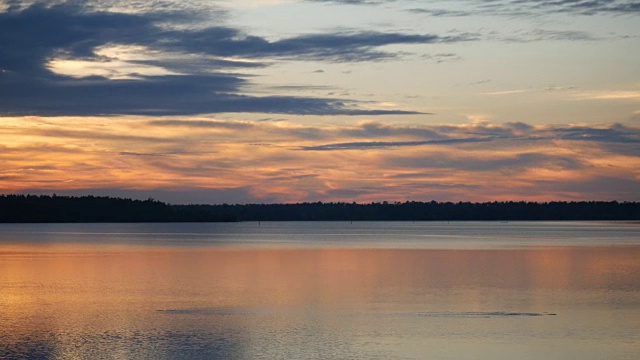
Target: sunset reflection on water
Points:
(199, 302)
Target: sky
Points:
(262, 101)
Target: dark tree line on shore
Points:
(33, 209)
(51, 209)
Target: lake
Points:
(320, 290)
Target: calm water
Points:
(323, 290)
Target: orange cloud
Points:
(287, 161)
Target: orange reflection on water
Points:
(62, 301)
(239, 277)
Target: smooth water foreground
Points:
(322, 290)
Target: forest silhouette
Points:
(63, 209)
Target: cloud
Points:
(457, 8)
(210, 124)
(512, 162)
(514, 9)
(441, 57)
(302, 88)
(523, 36)
(424, 134)
(341, 47)
(364, 135)
(507, 92)
(610, 95)
(442, 12)
(616, 187)
(616, 136)
(549, 88)
(582, 7)
(79, 32)
(256, 161)
(386, 144)
(65, 59)
(618, 139)
(529, 8)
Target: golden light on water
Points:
(86, 284)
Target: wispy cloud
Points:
(523, 36)
(387, 144)
(550, 88)
(507, 92)
(528, 8)
(284, 161)
(457, 8)
(609, 95)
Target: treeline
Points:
(63, 209)
(32, 208)
(423, 211)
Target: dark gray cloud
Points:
(442, 12)
(546, 35)
(583, 7)
(34, 35)
(387, 144)
(616, 138)
(538, 9)
(160, 95)
(335, 47)
(535, 8)
(615, 133)
(377, 130)
(513, 162)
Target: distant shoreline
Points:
(93, 209)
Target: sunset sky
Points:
(260, 101)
